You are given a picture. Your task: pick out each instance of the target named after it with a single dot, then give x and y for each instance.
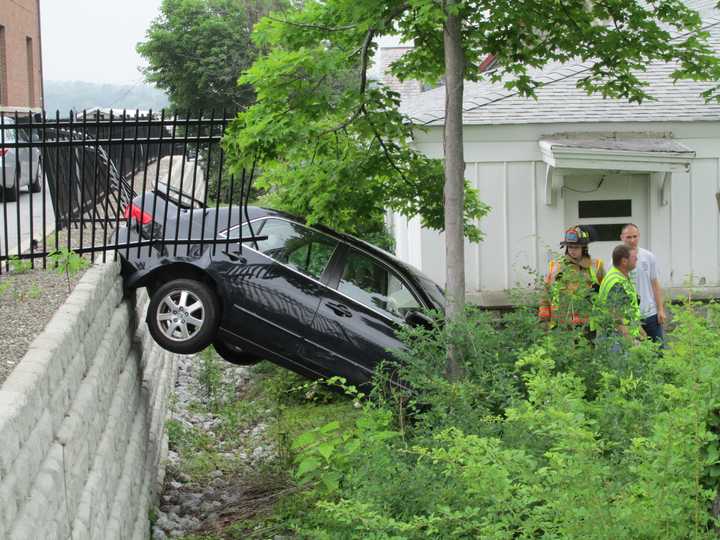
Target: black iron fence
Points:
(100, 182)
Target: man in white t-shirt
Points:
(647, 284)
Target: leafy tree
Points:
(343, 157)
(332, 151)
(197, 49)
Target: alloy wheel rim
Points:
(181, 315)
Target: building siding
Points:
(522, 232)
(21, 68)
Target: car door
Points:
(24, 154)
(355, 326)
(272, 288)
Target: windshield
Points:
(432, 289)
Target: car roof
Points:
(257, 212)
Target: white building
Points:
(569, 158)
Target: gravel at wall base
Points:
(190, 505)
(28, 301)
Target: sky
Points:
(94, 40)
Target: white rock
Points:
(163, 522)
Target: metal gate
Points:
(69, 182)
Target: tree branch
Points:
(385, 149)
(364, 59)
(314, 26)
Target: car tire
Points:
(175, 327)
(9, 194)
(235, 357)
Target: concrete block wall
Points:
(82, 420)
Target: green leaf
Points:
(331, 481)
(304, 439)
(326, 450)
(307, 466)
(384, 435)
(330, 427)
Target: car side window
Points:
(236, 232)
(303, 249)
(372, 284)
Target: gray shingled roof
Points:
(560, 101)
(638, 144)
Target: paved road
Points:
(23, 204)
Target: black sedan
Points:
(261, 284)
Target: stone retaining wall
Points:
(82, 420)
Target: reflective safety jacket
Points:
(627, 314)
(570, 290)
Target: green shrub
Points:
(488, 346)
(547, 436)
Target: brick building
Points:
(21, 86)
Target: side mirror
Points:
(418, 318)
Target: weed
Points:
(35, 291)
(210, 378)
(152, 516)
(66, 261)
(4, 286)
(19, 266)
(172, 401)
(176, 433)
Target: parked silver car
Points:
(19, 167)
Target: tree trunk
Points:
(454, 175)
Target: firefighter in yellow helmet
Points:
(572, 282)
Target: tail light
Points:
(4, 151)
(134, 212)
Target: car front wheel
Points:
(183, 316)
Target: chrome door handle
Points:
(339, 309)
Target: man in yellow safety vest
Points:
(617, 309)
(571, 282)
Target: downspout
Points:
(40, 54)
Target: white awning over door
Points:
(620, 153)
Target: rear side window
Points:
(303, 249)
(371, 283)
